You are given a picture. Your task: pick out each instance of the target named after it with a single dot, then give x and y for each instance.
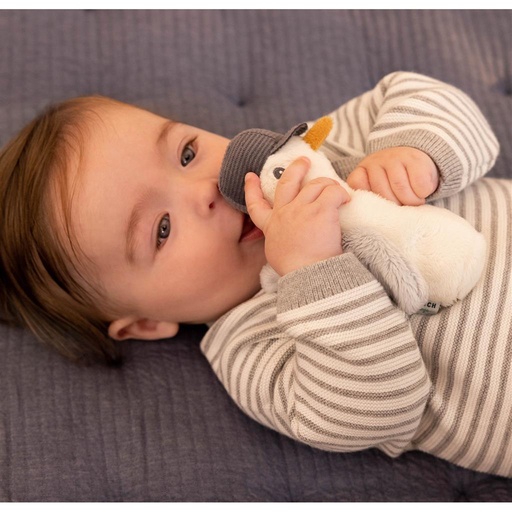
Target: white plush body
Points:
(419, 253)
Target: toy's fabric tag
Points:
(430, 308)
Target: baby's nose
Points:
(205, 196)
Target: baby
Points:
(113, 227)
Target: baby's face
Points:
(166, 246)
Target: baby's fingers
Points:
(374, 178)
(398, 177)
(390, 181)
(325, 191)
(333, 196)
(424, 179)
(290, 182)
(358, 179)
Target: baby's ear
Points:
(141, 329)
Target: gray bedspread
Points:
(161, 427)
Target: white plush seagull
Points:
(424, 256)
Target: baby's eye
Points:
(187, 155)
(164, 229)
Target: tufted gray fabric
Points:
(161, 427)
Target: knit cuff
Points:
(445, 158)
(320, 281)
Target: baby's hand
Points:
(303, 227)
(402, 174)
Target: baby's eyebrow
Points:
(164, 132)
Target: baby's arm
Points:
(329, 359)
(411, 110)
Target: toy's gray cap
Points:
(247, 152)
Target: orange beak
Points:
(316, 135)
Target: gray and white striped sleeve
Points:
(328, 360)
(409, 109)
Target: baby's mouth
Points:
(249, 230)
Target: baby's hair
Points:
(41, 286)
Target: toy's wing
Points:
(400, 278)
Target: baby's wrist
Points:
(321, 280)
(292, 264)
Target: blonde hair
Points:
(40, 284)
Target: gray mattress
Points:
(160, 427)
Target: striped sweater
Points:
(329, 360)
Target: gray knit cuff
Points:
(320, 281)
(448, 163)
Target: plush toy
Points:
(424, 256)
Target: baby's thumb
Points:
(257, 206)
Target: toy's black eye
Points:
(278, 172)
